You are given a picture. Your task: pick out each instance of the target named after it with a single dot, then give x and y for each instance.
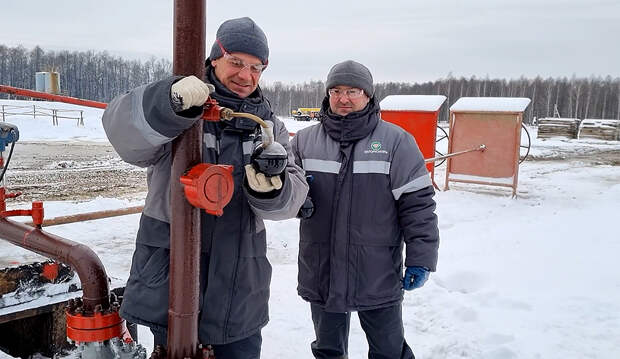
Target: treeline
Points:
(593, 97)
(88, 75)
(99, 76)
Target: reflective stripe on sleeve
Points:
(415, 185)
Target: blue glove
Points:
(415, 277)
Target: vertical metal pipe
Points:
(188, 59)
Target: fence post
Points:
(2, 113)
(54, 118)
(34, 111)
(81, 122)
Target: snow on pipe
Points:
(86, 263)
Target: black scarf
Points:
(352, 127)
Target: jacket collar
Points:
(352, 127)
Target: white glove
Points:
(189, 91)
(261, 183)
(267, 133)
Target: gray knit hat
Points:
(351, 73)
(240, 35)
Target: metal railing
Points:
(34, 110)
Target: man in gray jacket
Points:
(235, 272)
(372, 195)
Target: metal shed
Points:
(491, 121)
(416, 114)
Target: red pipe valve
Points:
(215, 113)
(209, 187)
(37, 212)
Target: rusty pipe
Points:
(188, 59)
(82, 259)
(88, 216)
(47, 96)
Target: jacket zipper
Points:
(344, 169)
(232, 288)
(352, 157)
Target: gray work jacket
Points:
(372, 194)
(235, 271)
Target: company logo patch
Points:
(375, 147)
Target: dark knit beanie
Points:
(350, 73)
(240, 35)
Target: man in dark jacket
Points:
(372, 195)
(235, 273)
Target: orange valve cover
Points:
(209, 187)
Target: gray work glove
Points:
(188, 92)
(261, 183)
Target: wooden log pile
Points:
(608, 130)
(558, 127)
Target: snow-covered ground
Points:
(531, 277)
(41, 128)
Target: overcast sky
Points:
(399, 40)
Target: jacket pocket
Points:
(145, 299)
(378, 275)
(313, 271)
(249, 309)
(151, 264)
(253, 242)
